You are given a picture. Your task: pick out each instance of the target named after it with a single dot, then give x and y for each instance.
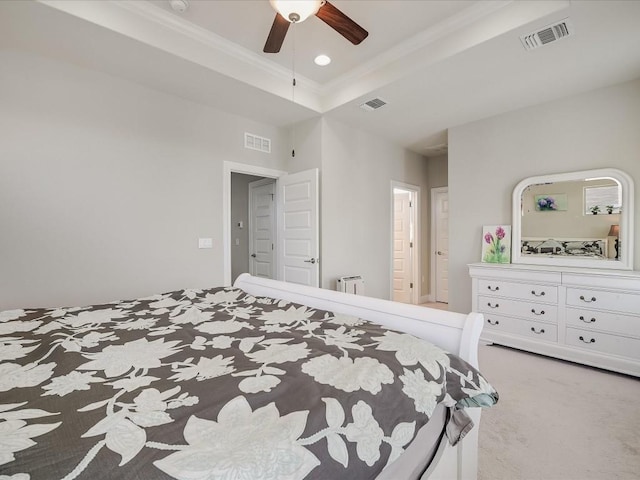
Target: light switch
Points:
(205, 243)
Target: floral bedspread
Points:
(204, 384)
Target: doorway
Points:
(230, 229)
(262, 228)
(297, 223)
(440, 244)
(404, 244)
(243, 226)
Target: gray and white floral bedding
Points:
(215, 384)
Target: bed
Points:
(567, 247)
(262, 380)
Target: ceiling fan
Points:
(296, 11)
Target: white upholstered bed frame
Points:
(454, 332)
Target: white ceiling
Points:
(437, 63)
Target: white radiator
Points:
(352, 284)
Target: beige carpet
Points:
(557, 420)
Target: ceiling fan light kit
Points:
(296, 11)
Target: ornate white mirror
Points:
(575, 219)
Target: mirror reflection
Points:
(577, 218)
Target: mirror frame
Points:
(625, 261)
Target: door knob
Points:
(253, 255)
(312, 261)
(439, 252)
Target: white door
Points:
(262, 253)
(402, 246)
(298, 230)
(441, 212)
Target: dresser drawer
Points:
(517, 326)
(604, 321)
(524, 291)
(599, 299)
(518, 308)
(603, 342)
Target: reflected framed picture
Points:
(551, 202)
(496, 244)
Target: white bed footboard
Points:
(455, 332)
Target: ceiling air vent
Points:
(373, 104)
(548, 34)
(254, 142)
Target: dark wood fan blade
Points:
(341, 23)
(276, 34)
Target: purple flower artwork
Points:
(496, 247)
(550, 202)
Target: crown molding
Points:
(162, 17)
(418, 42)
(475, 25)
(158, 28)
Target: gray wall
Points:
(489, 157)
(106, 186)
(357, 170)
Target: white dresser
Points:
(583, 315)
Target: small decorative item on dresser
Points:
(496, 244)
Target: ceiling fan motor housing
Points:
(296, 10)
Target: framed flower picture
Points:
(496, 244)
(551, 202)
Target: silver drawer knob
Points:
(540, 332)
(533, 310)
(536, 294)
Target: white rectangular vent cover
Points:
(254, 142)
(373, 104)
(548, 34)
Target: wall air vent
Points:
(373, 104)
(254, 142)
(547, 35)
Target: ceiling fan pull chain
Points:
(293, 86)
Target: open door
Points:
(441, 244)
(403, 248)
(298, 228)
(262, 230)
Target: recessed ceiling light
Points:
(322, 60)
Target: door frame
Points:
(415, 261)
(432, 256)
(227, 169)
